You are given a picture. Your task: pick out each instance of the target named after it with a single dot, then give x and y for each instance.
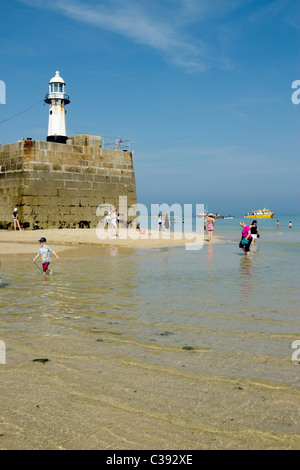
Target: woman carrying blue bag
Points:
(246, 238)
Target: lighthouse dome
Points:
(57, 79)
(56, 92)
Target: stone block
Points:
(71, 184)
(57, 167)
(40, 166)
(44, 145)
(71, 169)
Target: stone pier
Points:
(62, 185)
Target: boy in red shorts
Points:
(45, 251)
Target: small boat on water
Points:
(215, 215)
(260, 214)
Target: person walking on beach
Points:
(44, 252)
(166, 222)
(16, 219)
(159, 221)
(254, 231)
(210, 226)
(246, 238)
(107, 218)
(114, 226)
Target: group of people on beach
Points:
(111, 221)
(278, 224)
(249, 233)
(164, 222)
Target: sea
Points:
(212, 312)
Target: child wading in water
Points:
(45, 251)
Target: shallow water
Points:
(161, 348)
(215, 300)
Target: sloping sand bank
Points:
(27, 241)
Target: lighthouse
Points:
(57, 99)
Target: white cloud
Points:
(159, 25)
(270, 10)
(175, 28)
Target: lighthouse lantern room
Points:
(57, 99)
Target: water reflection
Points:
(246, 279)
(210, 258)
(114, 251)
(83, 292)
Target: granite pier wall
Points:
(61, 185)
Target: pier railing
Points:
(103, 141)
(110, 143)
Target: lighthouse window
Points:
(56, 88)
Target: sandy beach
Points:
(27, 241)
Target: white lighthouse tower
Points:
(57, 113)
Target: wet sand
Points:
(105, 400)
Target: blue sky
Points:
(202, 89)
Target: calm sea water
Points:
(159, 305)
(230, 228)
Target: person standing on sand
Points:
(159, 222)
(16, 219)
(114, 225)
(107, 219)
(210, 222)
(166, 222)
(246, 238)
(45, 251)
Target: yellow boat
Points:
(261, 214)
